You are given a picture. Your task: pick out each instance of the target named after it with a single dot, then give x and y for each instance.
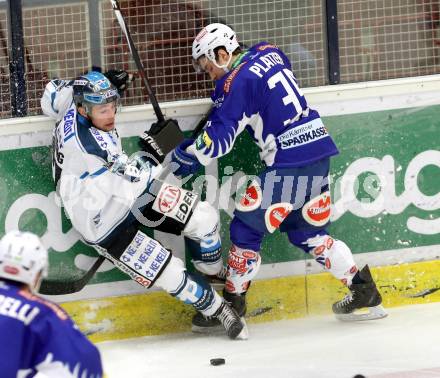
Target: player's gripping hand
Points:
(185, 162)
(167, 134)
(119, 78)
(151, 147)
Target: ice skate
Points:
(205, 324)
(226, 318)
(361, 296)
(211, 324)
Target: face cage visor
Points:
(200, 67)
(197, 66)
(91, 100)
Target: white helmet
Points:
(22, 258)
(211, 37)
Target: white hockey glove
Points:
(128, 168)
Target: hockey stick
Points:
(200, 125)
(137, 61)
(62, 287)
(170, 136)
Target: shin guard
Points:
(334, 255)
(243, 265)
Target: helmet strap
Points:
(35, 286)
(223, 66)
(86, 110)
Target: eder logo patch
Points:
(250, 200)
(276, 214)
(317, 210)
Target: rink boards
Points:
(392, 222)
(273, 299)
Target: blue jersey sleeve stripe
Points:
(99, 172)
(68, 137)
(52, 100)
(84, 175)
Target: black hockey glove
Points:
(163, 136)
(120, 79)
(154, 152)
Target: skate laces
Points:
(346, 300)
(222, 274)
(227, 317)
(208, 317)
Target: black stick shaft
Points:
(62, 287)
(137, 60)
(199, 127)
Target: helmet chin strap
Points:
(224, 67)
(35, 287)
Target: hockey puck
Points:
(217, 361)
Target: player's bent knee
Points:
(172, 276)
(204, 221)
(244, 236)
(144, 259)
(307, 240)
(208, 268)
(203, 239)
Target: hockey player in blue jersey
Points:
(108, 196)
(255, 90)
(37, 338)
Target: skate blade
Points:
(244, 334)
(218, 329)
(208, 330)
(373, 313)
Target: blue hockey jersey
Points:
(262, 96)
(37, 336)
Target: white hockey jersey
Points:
(95, 197)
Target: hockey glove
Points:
(154, 152)
(120, 79)
(185, 162)
(167, 134)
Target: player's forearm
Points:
(214, 143)
(56, 99)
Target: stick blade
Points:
(59, 287)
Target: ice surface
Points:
(405, 344)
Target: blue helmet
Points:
(92, 89)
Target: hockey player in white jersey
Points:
(108, 195)
(38, 338)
